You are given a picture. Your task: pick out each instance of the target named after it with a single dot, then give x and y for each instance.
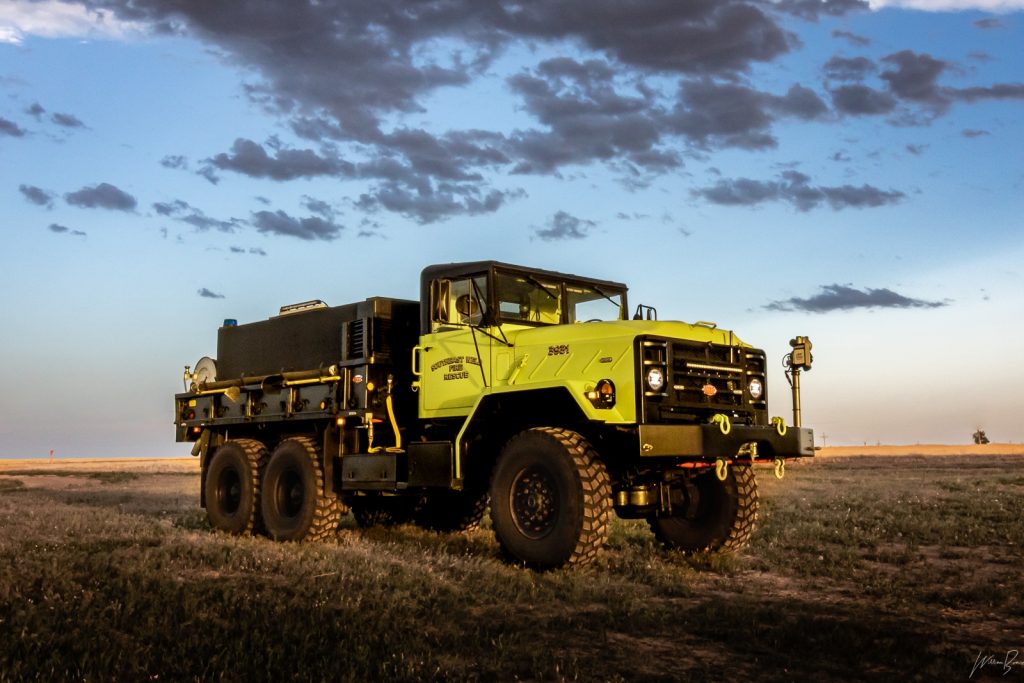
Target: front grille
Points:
(702, 380)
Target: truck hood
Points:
(620, 329)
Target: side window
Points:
(460, 302)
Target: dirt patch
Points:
(988, 449)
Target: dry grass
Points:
(886, 568)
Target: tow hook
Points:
(780, 468)
(721, 469)
(723, 423)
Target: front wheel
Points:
(550, 499)
(294, 505)
(709, 515)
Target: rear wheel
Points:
(710, 515)
(294, 505)
(233, 486)
(550, 499)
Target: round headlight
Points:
(755, 388)
(655, 379)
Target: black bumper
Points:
(708, 442)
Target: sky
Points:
(845, 170)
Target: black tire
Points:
(382, 510)
(233, 486)
(293, 504)
(551, 499)
(711, 515)
(451, 511)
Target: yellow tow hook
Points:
(723, 423)
(721, 469)
(780, 425)
(780, 468)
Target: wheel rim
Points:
(290, 493)
(229, 491)
(533, 500)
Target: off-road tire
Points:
(451, 511)
(233, 480)
(381, 510)
(720, 520)
(294, 505)
(551, 499)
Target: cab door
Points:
(455, 359)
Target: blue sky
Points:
(845, 171)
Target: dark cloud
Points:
(860, 100)
(852, 38)
(563, 226)
(988, 23)
(251, 159)
(427, 204)
(843, 298)
(11, 128)
(812, 9)
(174, 161)
(914, 76)
(37, 195)
(796, 189)
(36, 110)
(734, 115)
(973, 133)
(916, 150)
(310, 228)
(64, 230)
(102, 196)
(207, 294)
(66, 120)
(186, 213)
(319, 207)
(256, 251)
(237, 250)
(340, 71)
(844, 69)
(1001, 91)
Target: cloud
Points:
(310, 228)
(251, 159)
(257, 251)
(974, 133)
(860, 100)
(61, 229)
(174, 161)
(56, 19)
(563, 226)
(207, 294)
(916, 150)
(952, 5)
(837, 297)
(795, 188)
(182, 211)
(988, 23)
(37, 195)
(102, 196)
(11, 128)
(35, 110)
(812, 9)
(66, 120)
(843, 69)
(852, 38)
(428, 204)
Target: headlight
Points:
(755, 388)
(655, 379)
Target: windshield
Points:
(541, 300)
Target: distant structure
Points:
(980, 437)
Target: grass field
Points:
(896, 567)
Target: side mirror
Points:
(440, 295)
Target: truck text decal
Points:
(560, 350)
(454, 366)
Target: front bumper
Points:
(707, 442)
